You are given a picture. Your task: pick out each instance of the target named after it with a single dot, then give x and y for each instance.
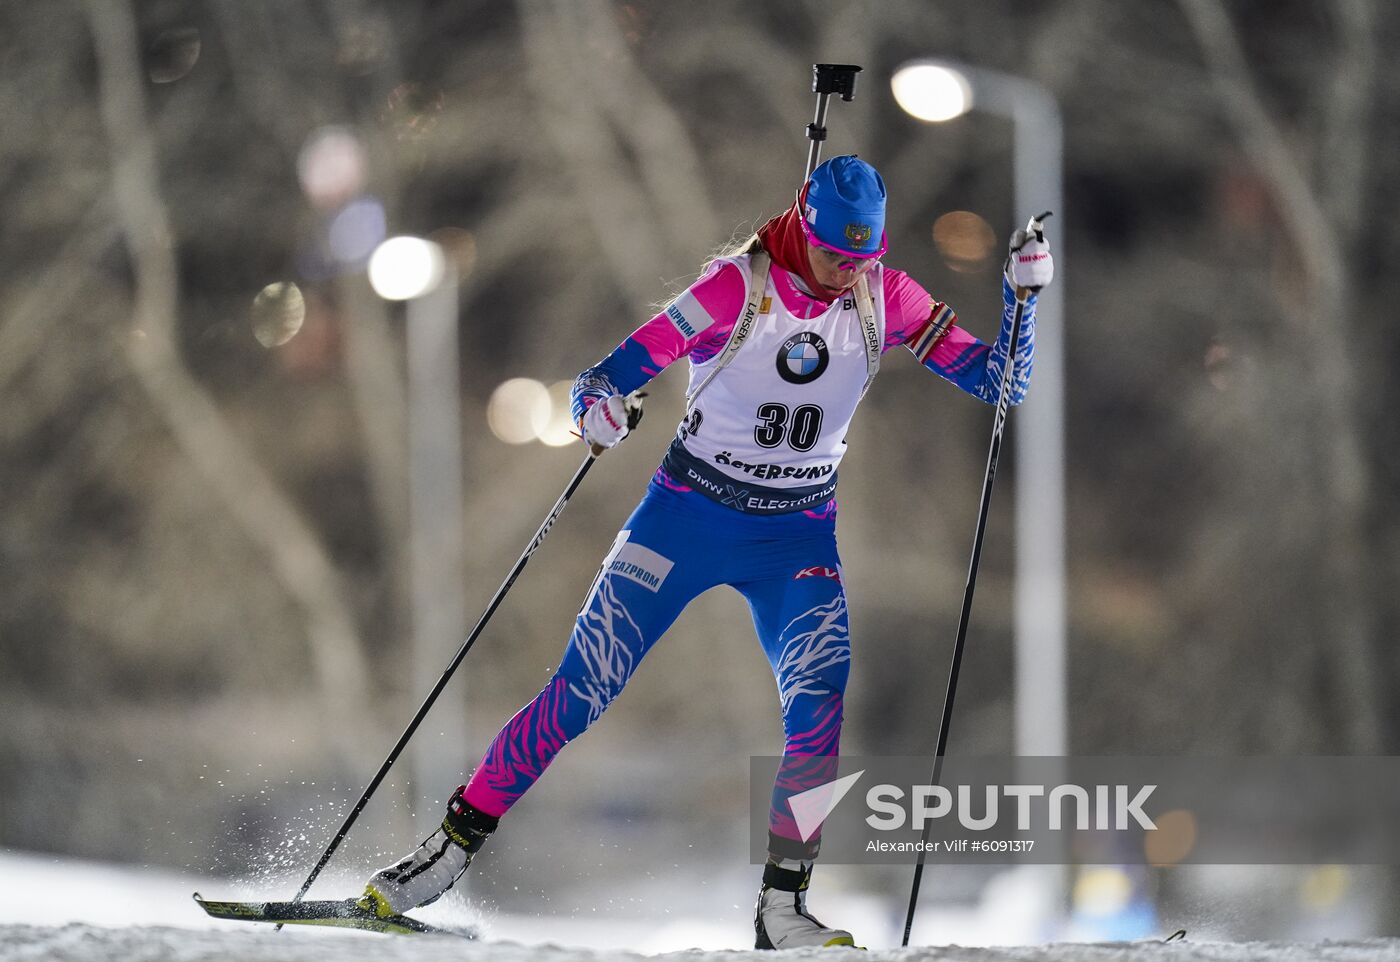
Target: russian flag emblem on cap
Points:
(846, 206)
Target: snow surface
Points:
(90, 943)
(66, 910)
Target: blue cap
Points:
(845, 207)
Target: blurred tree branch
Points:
(1298, 204)
(373, 369)
(1320, 222)
(1220, 387)
(602, 113)
(1345, 111)
(267, 516)
(27, 312)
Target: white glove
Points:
(605, 422)
(1028, 263)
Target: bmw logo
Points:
(802, 358)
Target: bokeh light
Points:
(278, 313)
(1174, 838)
(1325, 886)
(965, 241)
(1102, 891)
(172, 54)
(561, 429)
(356, 230)
(331, 166)
(931, 92)
(402, 268)
(518, 410)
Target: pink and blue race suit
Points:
(744, 497)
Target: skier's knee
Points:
(825, 687)
(587, 697)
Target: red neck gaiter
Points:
(783, 239)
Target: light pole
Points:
(415, 270)
(939, 90)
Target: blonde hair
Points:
(733, 247)
(749, 245)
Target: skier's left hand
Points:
(1028, 262)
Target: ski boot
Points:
(434, 866)
(781, 920)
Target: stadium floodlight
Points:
(404, 268)
(930, 90)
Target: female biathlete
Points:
(783, 339)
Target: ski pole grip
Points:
(1036, 225)
(633, 404)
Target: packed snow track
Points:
(90, 943)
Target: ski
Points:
(339, 913)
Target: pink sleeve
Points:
(914, 318)
(950, 347)
(907, 307)
(694, 322)
(697, 323)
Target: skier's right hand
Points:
(604, 424)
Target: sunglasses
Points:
(840, 261)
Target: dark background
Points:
(204, 597)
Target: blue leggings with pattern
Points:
(677, 544)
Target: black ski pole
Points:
(827, 79)
(634, 409)
(1037, 227)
